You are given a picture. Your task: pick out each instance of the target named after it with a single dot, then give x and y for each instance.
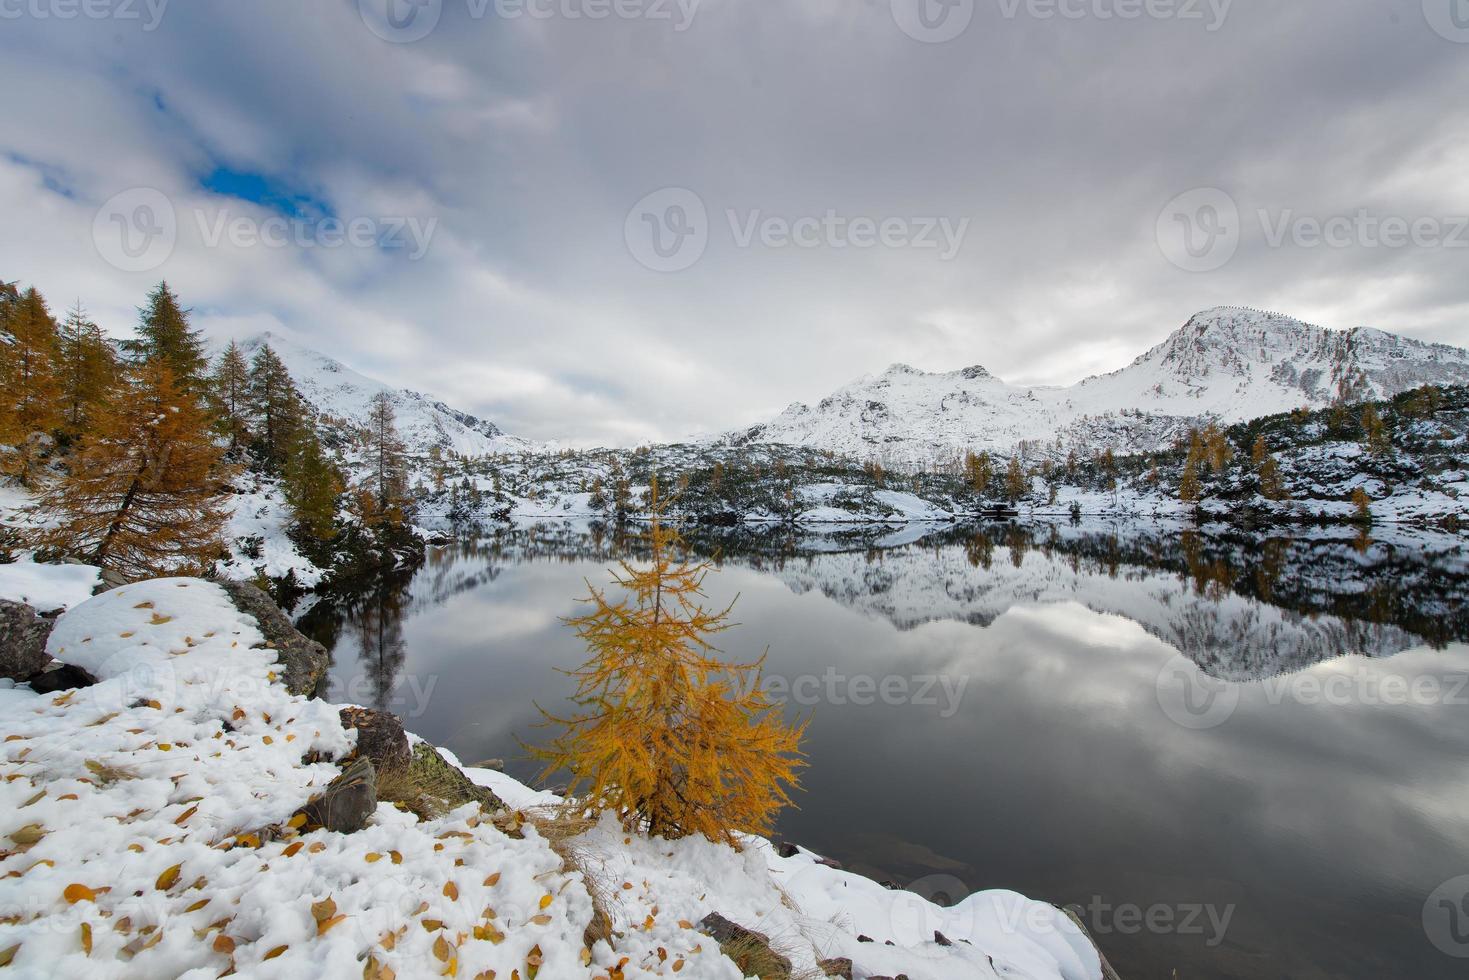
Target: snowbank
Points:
(48, 587)
(145, 827)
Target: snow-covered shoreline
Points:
(147, 829)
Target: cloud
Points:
(525, 140)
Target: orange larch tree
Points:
(666, 735)
(143, 496)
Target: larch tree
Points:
(229, 391)
(665, 735)
(31, 397)
(1015, 481)
(1267, 468)
(1374, 431)
(142, 497)
(164, 335)
(88, 368)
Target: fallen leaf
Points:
(169, 878)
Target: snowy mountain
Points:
(1225, 364)
(338, 392)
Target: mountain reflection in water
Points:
(1188, 723)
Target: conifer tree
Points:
(1375, 432)
(311, 484)
(31, 396)
(164, 335)
(142, 497)
(666, 736)
(276, 410)
(1014, 481)
(979, 470)
(88, 366)
(388, 475)
(1272, 486)
(229, 391)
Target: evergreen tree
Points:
(666, 736)
(164, 335)
(312, 484)
(142, 498)
(229, 391)
(276, 410)
(30, 380)
(388, 474)
(88, 372)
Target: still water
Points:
(1243, 756)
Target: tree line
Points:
(132, 449)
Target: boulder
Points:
(750, 950)
(380, 738)
(304, 662)
(62, 677)
(432, 778)
(837, 967)
(347, 803)
(23, 637)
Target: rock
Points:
(786, 849)
(941, 939)
(434, 784)
(496, 765)
(62, 677)
(109, 579)
(23, 637)
(837, 967)
(303, 662)
(348, 801)
(380, 738)
(750, 951)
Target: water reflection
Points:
(1316, 825)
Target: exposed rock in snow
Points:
(1225, 364)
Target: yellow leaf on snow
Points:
(325, 926)
(78, 893)
(169, 878)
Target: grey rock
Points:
(23, 636)
(380, 738)
(749, 950)
(303, 662)
(347, 803)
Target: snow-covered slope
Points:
(341, 393)
(1228, 364)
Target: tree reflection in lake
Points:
(1053, 768)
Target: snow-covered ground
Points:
(146, 833)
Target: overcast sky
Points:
(476, 185)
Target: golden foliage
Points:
(667, 736)
(142, 498)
